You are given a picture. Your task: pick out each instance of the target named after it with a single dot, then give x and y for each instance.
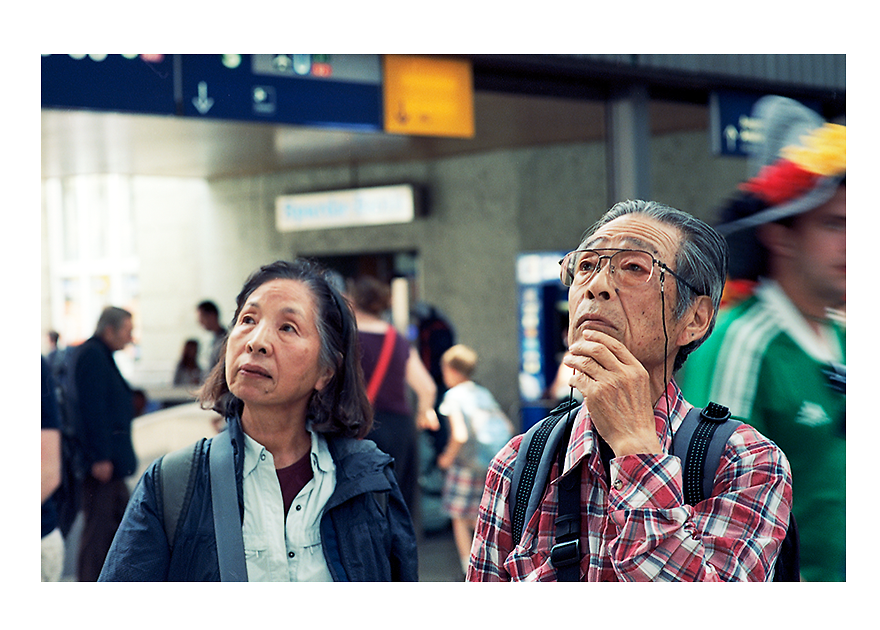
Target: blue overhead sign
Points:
(732, 124)
(316, 90)
(142, 84)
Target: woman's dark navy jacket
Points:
(366, 529)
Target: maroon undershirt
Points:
(293, 479)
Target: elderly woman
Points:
(315, 501)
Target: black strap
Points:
(176, 481)
(227, 517)
(565, 555)
(606, 454)
(699, 442)
(531, 468)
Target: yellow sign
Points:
(430, 97)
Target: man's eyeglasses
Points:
(628, 267)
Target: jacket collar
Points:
(360, 467)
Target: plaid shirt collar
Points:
(582, 441)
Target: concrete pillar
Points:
(627, 139)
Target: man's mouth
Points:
(594, 321)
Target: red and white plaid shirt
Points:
(640, 529)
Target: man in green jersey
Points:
(777, 358)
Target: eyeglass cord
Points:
(665, 361)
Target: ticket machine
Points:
(542, 327)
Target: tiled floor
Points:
(438, 558)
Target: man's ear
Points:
(697, 320)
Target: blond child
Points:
(468, 407)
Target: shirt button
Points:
(290, 554)
(263, 456)
(618, 484)
(298, 508)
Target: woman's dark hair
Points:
(341, 407)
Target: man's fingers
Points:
(615, 348)
(587, 354)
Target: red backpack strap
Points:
(382, 365)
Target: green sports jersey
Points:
(766, 364)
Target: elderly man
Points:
(645, 288)
(104, 412)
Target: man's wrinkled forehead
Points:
(625, 242)
(635, 231)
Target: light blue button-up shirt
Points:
(275, 551)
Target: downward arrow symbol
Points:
(202, 102)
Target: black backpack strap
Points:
(565, 555)
(531, 468)
(699, 442)
(543, 444)
(702, 437)
(176, 481)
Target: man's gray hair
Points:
(701, 260)
(111, 317)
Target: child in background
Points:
(465, 404)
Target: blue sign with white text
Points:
(733, 127)
(294, 89)
(316, 90)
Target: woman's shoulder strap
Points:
(176, 481)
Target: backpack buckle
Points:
(715, 412)
(565, 554)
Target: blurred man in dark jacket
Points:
(105, 409)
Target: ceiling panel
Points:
(84, 142)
